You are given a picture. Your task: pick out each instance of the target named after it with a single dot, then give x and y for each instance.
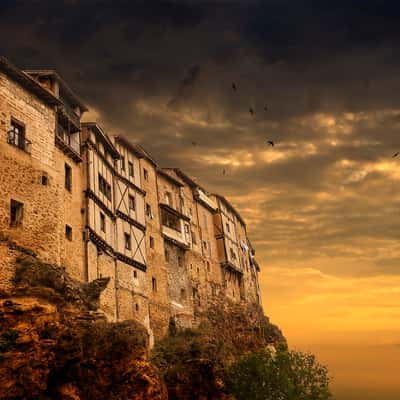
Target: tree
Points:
(278, 374)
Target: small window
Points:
(132, 204)
(190, 211)
(127, 237)
(208, 266)
(123, 163)
(68, 177)
(102, 222)
(130, 169)
(183, 294)
(68, 232)
(145, 174)
(148, 210)
(151, 242)
(137, 307)
(154, 284)
(16, 213)
(180, 261)
(135, 274)
(194, 238)
(44, 180)
(227, 227)
(205, 245)
(16, 136)
(168, 198)
(166, 253)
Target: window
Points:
(16, 213)
(227, 227)
(180, 261)
(137, 307)
(102, 222)
(127, 238)
(16, 136)
(148, 211)
(68, 232)
(123, 163)
(233, 255)
(194, 238)
(104, 187)
(205, 245)
(130, 169)
(190, 211)
(154, 284)
(135, 274)
(44, 180)
(132, 204)
(208, 266)
(168, 198)
(151, 242)
(183, 294)
(145, 174)
(166, 253)
(68, 177)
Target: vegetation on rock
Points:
(277, 374)
(54, 345)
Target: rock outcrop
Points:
(55, 345)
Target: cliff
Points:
(54, 344)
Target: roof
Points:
(28, 82)
(230, 207)
(138, 150)
(67, 91)
(164, 172)
(106, 140)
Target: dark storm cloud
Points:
(161, 73)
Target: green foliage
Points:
(278, 375)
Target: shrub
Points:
(278, 374)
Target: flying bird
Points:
(251, 111)
(234, 86)
(270, 142)
(395, 154)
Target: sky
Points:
(322, 204)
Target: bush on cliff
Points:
(279, 374)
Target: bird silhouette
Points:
(251, 111)
(234, 86)
(270, 142)
(395, 154)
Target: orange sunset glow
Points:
(322, 204)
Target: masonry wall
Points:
(156, 272)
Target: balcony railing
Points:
(71, 139)
(18, 140)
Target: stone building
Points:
(101, 206)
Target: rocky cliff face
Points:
(54, 344)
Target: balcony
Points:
(175, 236)
(201, 197)
(68, 117)
(18, 140)
(69, 143)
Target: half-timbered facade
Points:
(102, 207)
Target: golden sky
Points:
(322, 206)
